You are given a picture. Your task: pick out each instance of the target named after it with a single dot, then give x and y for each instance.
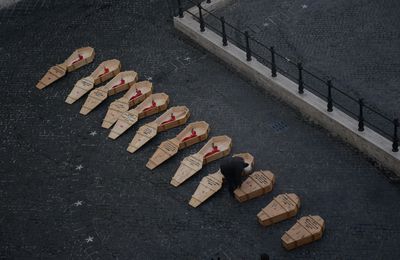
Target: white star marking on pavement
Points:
(89, 239)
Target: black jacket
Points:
(232, 169)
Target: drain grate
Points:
(279, 126)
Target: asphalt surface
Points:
(353, 43)
(68, 192)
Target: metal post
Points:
(180, 10)
(395, 146)
(300, 82)
(248, 51)
(201, 18)
(361, 115)
(224, 39)
(330, 101)
(273, 64)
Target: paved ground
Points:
(67, 192)
(353, 42)
(7, 3)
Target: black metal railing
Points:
(335, 97)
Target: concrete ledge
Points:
(337, 122)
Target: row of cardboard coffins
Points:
(120, 111)
(123, 114)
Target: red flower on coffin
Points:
(80, 57)
(106, 70)
(138, 94)
(172, 119)
(153, 105)
(213, 151)
(194, 134)
(122, 82)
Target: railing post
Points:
(361, 115)
(180, 10)
(248, 51)
(330, 101)
(395, 146)
(300, 82)
(273, 64)
(201, 18)
(224, 39)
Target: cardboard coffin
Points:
(257, 184)
(307, 230)
(77, 59)
(119, 83)
(105, 71)
(216, 148)
(153, 104)
(193, 133)
(173, 117)
(212, 183)
(282, 207)
(137, 93)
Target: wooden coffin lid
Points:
(79, 58)
(173, 117)
(80, 88)
(165, 150)
(119, 83)
(136, 94)
(54, 73)
(193, 163)
(257, 184)
(144, 109)
(307, 229)
(192, 134)
(212, 183)
(188, 167)
(223, 144)
(144, 134)
(122, 81)
(106, 70)
(208, 186)
(282, 207)
(95, 98)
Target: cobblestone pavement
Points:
(68, 192)
(353, 42)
